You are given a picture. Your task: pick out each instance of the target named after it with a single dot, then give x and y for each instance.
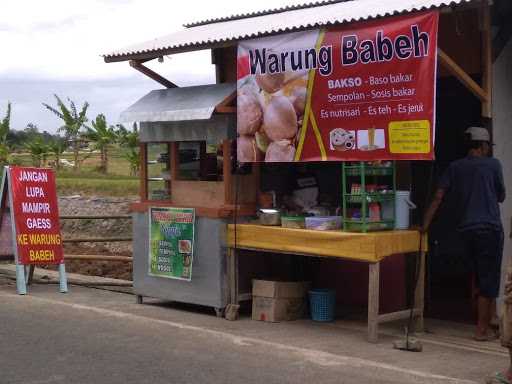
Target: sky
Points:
(54, 47)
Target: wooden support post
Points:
(202, 160)
(256, 171)
(226, 172)
(462, 76)
(373, 302)
(486, 59)
(175, 160)
(152, 74)
(168, 183)
(143, 155)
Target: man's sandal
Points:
(487, 337)
(497, 378)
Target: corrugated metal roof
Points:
(179, 104)
(226, 32)
(263, 12)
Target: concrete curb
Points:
(49, 276)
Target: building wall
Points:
(502, 132)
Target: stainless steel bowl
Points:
(269, 216)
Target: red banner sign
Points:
(36, 215)
(364, 91)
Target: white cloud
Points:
(54, 45)
(64, 38)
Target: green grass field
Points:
(88, 181)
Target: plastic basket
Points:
(322, 303)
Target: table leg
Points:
(373, 302)
(231, 311)
(419, 294)
(233, 276)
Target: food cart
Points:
(177, 170)
(280, 121)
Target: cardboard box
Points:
(280, 289)
(276, 301)
(276, 310)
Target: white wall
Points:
(502, 131)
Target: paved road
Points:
(49, 339)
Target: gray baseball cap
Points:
(478, 134)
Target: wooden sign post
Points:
(29, 218)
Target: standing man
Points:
(476, 182)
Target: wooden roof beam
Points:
(462, 76)
(486, 38)
(151, 74)
(226, 105)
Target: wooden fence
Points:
(127, 259)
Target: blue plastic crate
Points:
(322, 304)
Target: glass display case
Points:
(158, 171)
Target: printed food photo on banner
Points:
(356, 92)
(271, 105)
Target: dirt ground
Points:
(104, 206)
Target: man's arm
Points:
(432, 209)
(501, 185)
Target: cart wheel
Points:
(139, 299)
(219, 312)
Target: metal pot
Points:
(269, 216)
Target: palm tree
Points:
(4, 130)
(132, 155)
(57, 147)
(38, 151)
(73, 123)
(102, 135)
(129, 140)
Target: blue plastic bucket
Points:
(322, 303)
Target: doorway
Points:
(449, 286)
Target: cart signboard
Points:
(171, 242)
(35, 215)
(30, 220)
(362, 91)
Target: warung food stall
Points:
(352, 103)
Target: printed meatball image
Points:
(298, 100)
(247, 151)
(280, 151)
(280, 119)
(270, 113)
(249, 114)
(270, 83)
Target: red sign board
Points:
(362, 91)
(36, 215)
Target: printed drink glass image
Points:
(371, 139)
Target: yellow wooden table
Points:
(370, 248)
